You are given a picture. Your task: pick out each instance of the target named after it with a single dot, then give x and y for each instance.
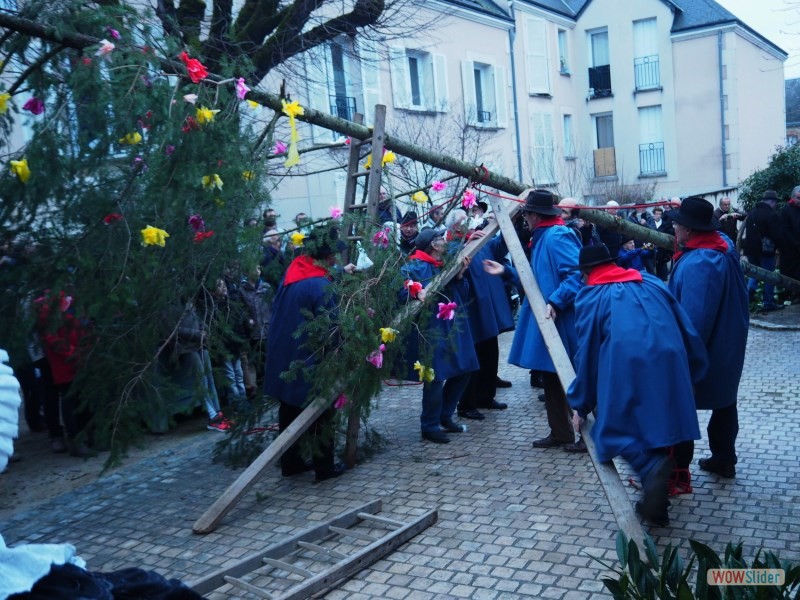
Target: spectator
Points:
(385, 212)
(586, 231)
(663, 257)
(612, 239)
(273, 261)
(230, 320)
(435, 220)
(408, 232)
(790, 253)
(256, 297)
(763, 236)
(728, 218)
(631, 257)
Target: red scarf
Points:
(710, 240)
(425, 257)
(611, 273)
(303, 267)
(549, 221)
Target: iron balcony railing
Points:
(600, 81)
(343, 107)
(484, 116)
(651, 158)
(646, 72)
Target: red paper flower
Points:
(413, 287)
(34, 105)
(111, 218)
(194, 68)
(447, 311)
(375, 358)
(202, 236)
(340, 402)
(381, 238)
(189, 125)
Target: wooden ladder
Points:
(367, 542)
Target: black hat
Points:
(770, 195)
(425, 238)
(541, 202)
(409, 218)
(591, 256)
(695, 213)
(322, 242)
(483, 206)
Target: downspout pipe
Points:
(512, 34)
(723, 145)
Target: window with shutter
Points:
(536, 56)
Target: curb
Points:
(773, 326)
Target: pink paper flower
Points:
(196, 223)
(370, 312)
(105, 49)
(438, 186)
(468, 200)
(34, 105)
(169, 149)
(279, 148)
(447, 311)
(111, 218)
(241, 88)
(336, 212)
(113, 33)
(381, 238)
(413, 287)
(347, 141)
(375, 358)
(340, 402)
(138, 165)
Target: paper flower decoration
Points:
(205, 115)
(169, 149)
(131, 139)
(388, 334)
(381, 238)
(375, 358)
(279, 148)
(113, 33)
(21, 170)
(4, 98)
(112, 218)
(248, 175)
(189, 124)
(413, 287)
(211, 182)
(447, 311)
(196, 223)
(426, 374)
(420, 197)
(253, 104)
(194, 68)
(292, 110)
(190, 98)
(468, 199)
(388, 157)
(139, 166)
(105, 49)
(438, 186)
(201, 236)
(340, 402)
(241, 88)
(336, 212)
(153, 236)
(34, 105)
(347, 141)
(297, 239)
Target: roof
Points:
(792, 102)
(486, 7)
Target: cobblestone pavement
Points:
(513, 521)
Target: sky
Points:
(776, 20)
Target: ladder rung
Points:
(354, 238)
(377, 519)
(358, 206)
(248, 587)
(360, 174)
(289, 568)
(355, 534)
(360, 142)
(328, 552)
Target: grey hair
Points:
(795, 189)
(453, 217)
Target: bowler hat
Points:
(409, 218)
(770, 195)
(591, 256)
(425, 238)
(695, 213)
(541, 202)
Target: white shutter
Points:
(543, 168)
(538, 72)
(650, 125)
(319, 72)
(370, 79)
(401, 85)
(468, 84)
(645, 38)
(501, 105)
(441, 93)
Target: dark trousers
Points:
(483, 382)
(320, 434)
(75, 418)
(558, 413)
(723, 428)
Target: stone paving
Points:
(513, 521)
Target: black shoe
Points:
(713, 466)
(472, 413)
(653, 506)
(771, 307)
(536, 379)
(293, 470)
(660, 520)
(337, 470)
(503, 383)
(541, 397)
(550, 442)
(452, 427)
(577, 447)
(437, 437)
(493, 405)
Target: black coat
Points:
(761, 222)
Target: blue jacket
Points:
(554, 262)
(633, 259)
(291, 301)
(635, 327)
(711, 289)
(446, 345)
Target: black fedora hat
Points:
(409, 218)
(770, 195)
(591, 256)
(541, 202)
(695, 213)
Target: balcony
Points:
(343, 107)
(484, 116)
(605, 162)
(651, 159)
(600, 81)
(646, 73)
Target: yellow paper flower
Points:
(420, 197)
(248, 175)
(388, 334)
(388, 157)
(425, 373)
(205, 115)
(292, 110)
(131, 139)
(253, 104)
(219, 202)
(297, 238)
(212, 181)
(4, 98)
(153, 236)
(368, 164)
(21, 170)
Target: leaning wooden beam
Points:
(606, 472)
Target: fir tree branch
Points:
(34, 66)
(46, 32)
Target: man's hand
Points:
(464, 266)
(476, 234)
(493, 267)
(550, 312)
(349, 268)
(577, 421)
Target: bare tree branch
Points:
(190, 20)
(218, 42)
(166, 13)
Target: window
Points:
(569, 140)
(542, 155)
(646, 71)
(370, 79)
(343, 104)
(605, 160)
(600, 71)
(419, 80)
(563, 53)
(536, 56)
(9, 5)
(651, 141)
(484, 94)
